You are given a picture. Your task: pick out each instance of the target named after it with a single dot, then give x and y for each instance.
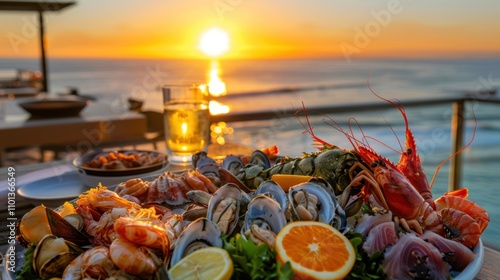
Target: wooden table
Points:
(99, 123)
(490, 269)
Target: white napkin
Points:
(55, 170)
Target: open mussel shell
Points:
(325, 205)
(274, 191)
(198, 234)
(264, 212)
(52, 254)
(64, 228)
(224, 208)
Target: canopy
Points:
(40, 7)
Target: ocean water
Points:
(283, 84)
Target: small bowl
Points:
(53, 108)
(93, 176)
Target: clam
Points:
(198, 234)
(41, 221)
(274, 191)
(52, 254)
(224, 208)
(33, 226)
(68, 227)
(263, 220)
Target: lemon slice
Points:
(205, 263)
(286, 181)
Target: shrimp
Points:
(149, 233)
(174, 228)
(95, 263)
(100, 228)
(470, 208)
(133, 187)
(102, 199)
(133, 259)
(460, 227)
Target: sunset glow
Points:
(216, 86)
(232, 30)
(214, 42)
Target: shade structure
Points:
(40, 7)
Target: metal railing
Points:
(457, 120)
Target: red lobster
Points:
(390, 187)
(409, 163)
(393, 191)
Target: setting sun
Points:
(214, 42)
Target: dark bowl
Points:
(92, 176)
(80, 163)
(54, 108)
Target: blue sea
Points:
(276, 85)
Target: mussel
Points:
(310, 201)
(198, 234)
(224, 208)
(274, 191)
(263, 220)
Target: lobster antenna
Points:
(309, 128)
(459, 151)
(364, 137)
(395, 135)
(336, 125)
(399, 107)
(383, 144)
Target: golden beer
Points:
(186, 129)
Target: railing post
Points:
(457, 134)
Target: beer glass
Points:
(187, 124)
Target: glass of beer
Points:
(187, 121)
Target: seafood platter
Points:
(376, 220)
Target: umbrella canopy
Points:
(40, 7)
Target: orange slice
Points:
(286, 181)
(315, 250)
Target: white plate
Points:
(53, 191)
(475, 266)
(468, 273)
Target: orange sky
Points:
(259, 29)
